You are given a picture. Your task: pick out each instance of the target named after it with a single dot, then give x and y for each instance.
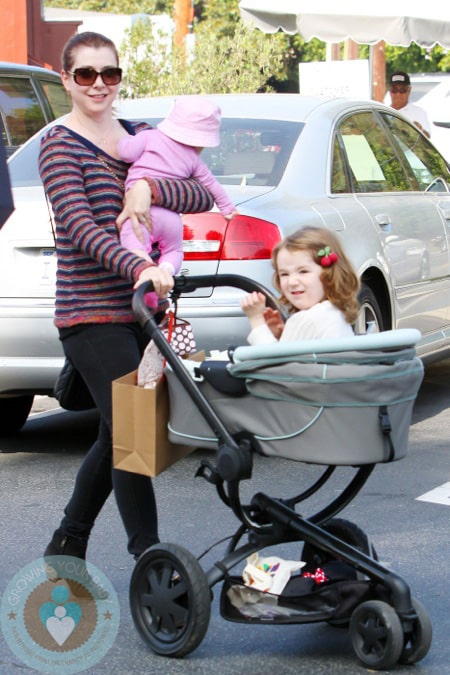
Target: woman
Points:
(83, 178)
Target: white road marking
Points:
(440, 495)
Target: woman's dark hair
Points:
(87, 39)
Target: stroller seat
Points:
(340, 402)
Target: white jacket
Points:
(323, 320)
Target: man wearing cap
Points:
(400, 89)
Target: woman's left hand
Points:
(160, 277)
(137, 202)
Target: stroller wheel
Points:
(418, 639)
(376, 634)
(170, 600)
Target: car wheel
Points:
(170, 600)
(370, 318)
(14, 412)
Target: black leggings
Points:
(102, 353)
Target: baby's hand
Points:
(231, 215)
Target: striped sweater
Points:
(95, 275)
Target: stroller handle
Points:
(184, 284)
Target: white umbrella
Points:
(398, 22)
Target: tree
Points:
(415, 59)
(243, 62)
(115, 6)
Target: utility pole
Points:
(183, 18)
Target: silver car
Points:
(286, 161)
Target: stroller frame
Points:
(170, 594)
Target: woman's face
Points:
(97, 98)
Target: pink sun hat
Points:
(193, 120)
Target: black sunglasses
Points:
(85, 77)
(398, 89)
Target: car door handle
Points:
(384, 221)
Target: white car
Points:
(286, 161)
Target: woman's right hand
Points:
(137, 202)
(160, 277)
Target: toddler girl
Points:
(318, 286)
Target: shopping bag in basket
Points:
(140, 417)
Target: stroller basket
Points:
(345, 402)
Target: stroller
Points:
(328, 403)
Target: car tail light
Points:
(209, 236)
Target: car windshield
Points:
(251, 152)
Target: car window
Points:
(425, 162)
(251, 151)
(21, 110)
(23, 165)
(339, 181)
(373, 162)
(57, 97)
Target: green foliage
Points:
(415, 59)
(221, 16)
(115, 6)
(241, 63)
(314, 50)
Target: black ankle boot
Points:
(63, 544)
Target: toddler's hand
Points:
(274, 321)
(253, 305)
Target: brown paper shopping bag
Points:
(140, 417)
